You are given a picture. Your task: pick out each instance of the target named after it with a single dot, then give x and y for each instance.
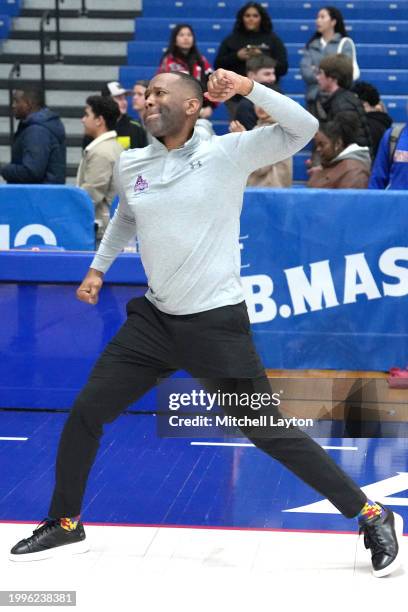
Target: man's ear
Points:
(192, 106)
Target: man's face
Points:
(166, 105)
(325, 83)
(138, 99)
(263, 75)
(20, 106)
(122, 102)
(90, 122)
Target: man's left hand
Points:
(224, 84)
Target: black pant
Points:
(216, 345)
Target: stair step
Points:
(65, 72)
(80, 25)
(69, 60)
(68, 48)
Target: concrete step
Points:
(81, 24)
(65, 73)
(73, 127)
(83, 48)
(59, 98)
(91, 5)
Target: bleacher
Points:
(8, 9)
(379, 29)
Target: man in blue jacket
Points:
(39, 150)
(390, 169)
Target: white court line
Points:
(23, 439)
(354, 448)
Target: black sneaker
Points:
(49, 539)
(381, 536)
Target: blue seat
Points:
(187, 9)
(10, 7)
(4, 26)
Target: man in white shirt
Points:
(95, 172)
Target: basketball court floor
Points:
(188, 524)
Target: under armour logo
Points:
(195, 165)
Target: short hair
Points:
(338, 67)
(194, 85)
(143, 83)
(258, 62)
(34, 95)
(105, 107)
(366, 92)
(344, 127)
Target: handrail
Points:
(84, 10)
(58, 56)
(15, 70)
(44, 44)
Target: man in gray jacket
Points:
(182, 196)
(95, 172)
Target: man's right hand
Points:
(88, 291)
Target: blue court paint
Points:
(139, 478)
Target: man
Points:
(130, 134)
(39, 151)
(390, 168)
(260, 68)
(95, 172)
(183, 197)
(335, 78)
(378, 120)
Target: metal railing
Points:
(58, 56)
(45, 41)
(15, 71)
(84, 10)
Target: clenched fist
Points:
(88, 291)
(223, 84)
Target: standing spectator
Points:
(378, 119)
(390, 169)
(182, 55)
(327, 40)
(260, 68)
(138, 104)
(130, 134)
(344, 163)
(252, 35)
(95, 172)
(39, 150)
(335, 77)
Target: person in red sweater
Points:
(182, 55)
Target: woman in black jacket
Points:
(252, 35)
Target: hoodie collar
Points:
(101, 138)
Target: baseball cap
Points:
(113, 88)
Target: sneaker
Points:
(49, 539)
(381, 536)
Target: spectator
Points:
(39, 150)
(182, 55)
(138, 98)
(390, 169)
(378, 120)
(327, 40)
(252, 35)
(274, 175)
(335, 78)
(344, 163)
(95, 172)
(130, 134)
(260, 68)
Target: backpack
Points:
(394, 137)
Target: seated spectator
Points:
(95, 172)
(330, 34)
(344, 163)
(130, 134)
(261, 69)
(138, 98)
(378, 119)
(252, 35)
(390, 169)
(39, 149)
(275, 175)
(335, 77)
(182, 55)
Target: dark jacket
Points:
(345, 100)
(39, 150)
(245, 112)
(273, 46)
(378, 122)
(131, 135)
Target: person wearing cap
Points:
(130, 134)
